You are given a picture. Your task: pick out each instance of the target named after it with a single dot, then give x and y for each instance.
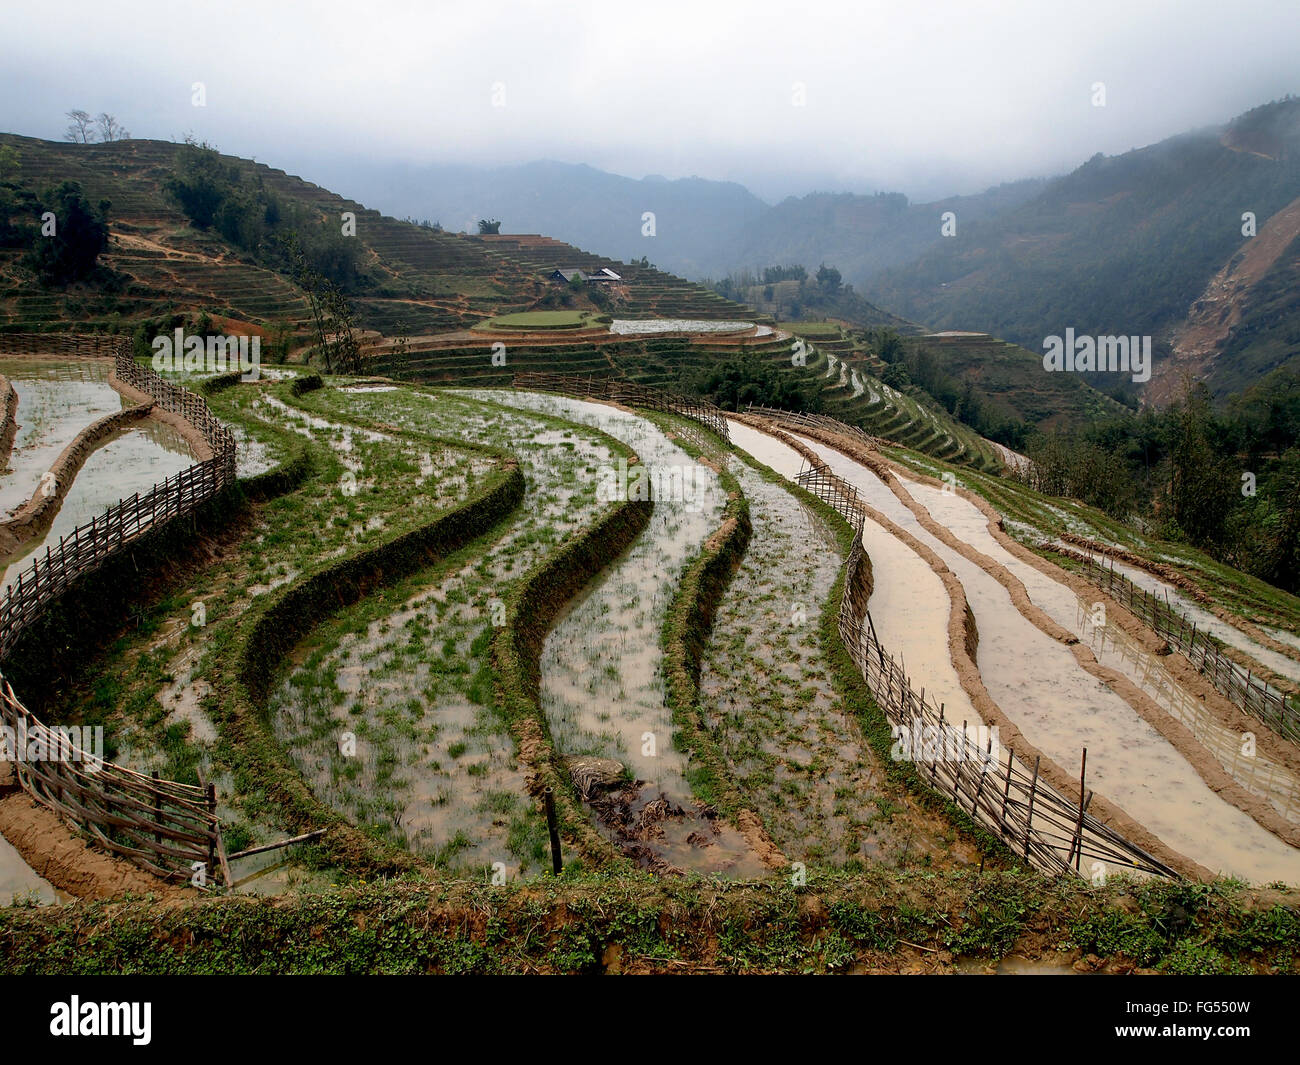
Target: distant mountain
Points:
(696, 222)
(1149, 242)
(862, 235)
(703, 229)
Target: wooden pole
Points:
(1077, 842)
(1033, 793)
(1006, 788)
(557, 864)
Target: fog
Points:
(928, 99)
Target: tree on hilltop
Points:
(80, 128)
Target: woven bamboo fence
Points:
(1239, 685)
(163, 826)
(1054, 833)
(629, 393)
(815, 421)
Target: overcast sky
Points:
(920, 97)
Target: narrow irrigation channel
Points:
(603, 683)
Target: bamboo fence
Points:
(1054, 833)
(628, 393)
(816, 421)
(1239, 685)
(161, 825)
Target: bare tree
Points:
(110, 129)
(79, 130)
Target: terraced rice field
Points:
(131, 460)
(57, 398)
(389, 715)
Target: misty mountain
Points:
(1148, 242)
(696, 221)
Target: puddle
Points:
(19, 882)
(57, 398)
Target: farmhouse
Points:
(606, 276)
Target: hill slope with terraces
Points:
(423, 291)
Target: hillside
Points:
(698, 223)
(1130, 244)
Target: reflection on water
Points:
(57, 398)
(132, 460)
(1116, 649)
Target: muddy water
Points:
(1116, 649)
(57, 398)
(768, 698)
(334, 435)
(433, 765)
(19, 881)
(602, 664)
(1206, 621)
(1061, 708)
(131, 460)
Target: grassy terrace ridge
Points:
(690, 638)
(879, 921)
(541, 320)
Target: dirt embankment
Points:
(63, 858)
(1218, 310)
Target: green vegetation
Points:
(874, 921)
(542, 320)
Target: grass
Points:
(542, 320)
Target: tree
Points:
(828, 279)
(489, 225)
(890, 346)
(1203, 485)
(332, 312)
(80, 235)
(110, 129)
(79, 130)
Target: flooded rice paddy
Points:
(57, 398)
(131, 460)
(602, 663)
(1061, 708)
(434, 765)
